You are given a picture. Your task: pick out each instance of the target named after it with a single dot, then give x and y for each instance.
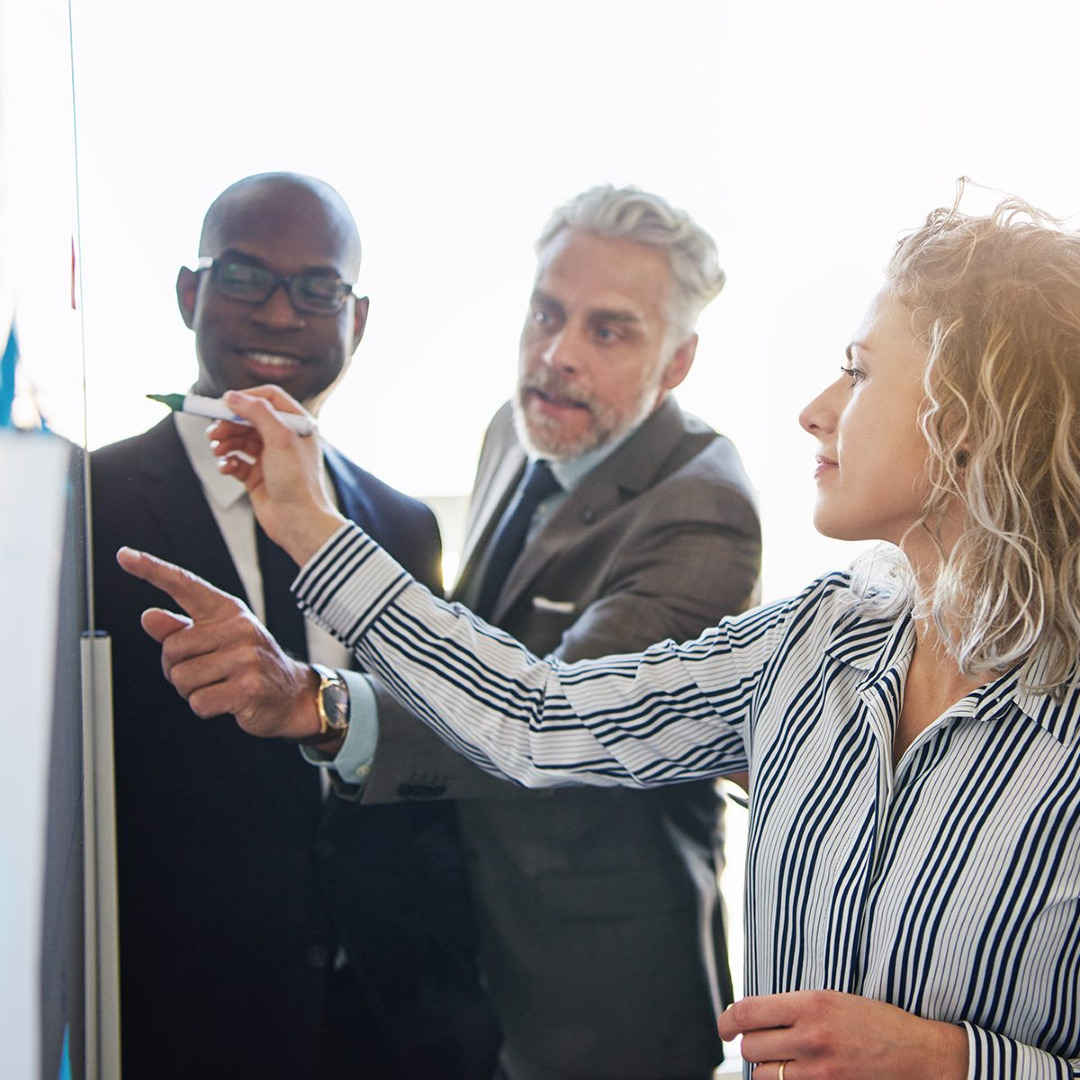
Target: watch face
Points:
(332, 701)
(335, 704)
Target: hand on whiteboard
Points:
(221, 659)
(281, 470)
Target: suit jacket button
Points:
(325, 847)
(588, 515)
(316, 956)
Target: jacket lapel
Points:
(351, 499)
(191, 537)
(629, 470)
(176, 503)
(490, 500)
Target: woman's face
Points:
(871, 456)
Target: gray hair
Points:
(631, 214)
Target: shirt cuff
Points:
(996, 1056)
(353, 760)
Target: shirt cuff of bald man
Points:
(352, 762)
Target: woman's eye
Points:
(853, 373)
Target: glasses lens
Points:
(316, 293)
(319, 293)
(243, 281)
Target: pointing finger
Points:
(197, 597)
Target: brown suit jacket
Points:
(601, 925)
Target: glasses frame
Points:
(206, 262)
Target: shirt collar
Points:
(223, 491)
(871, 645)
(879, 647)
(1061, 717)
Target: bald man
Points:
(267, 931)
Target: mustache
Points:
(552, 384)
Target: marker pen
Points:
(216, 409)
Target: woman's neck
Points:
(934, 680)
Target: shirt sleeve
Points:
(637, 720)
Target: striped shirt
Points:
(948, 885)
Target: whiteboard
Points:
(35, 491)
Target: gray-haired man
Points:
(601, 926)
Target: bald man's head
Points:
(269, 195)
(289, 226)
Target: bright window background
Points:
(805, 136)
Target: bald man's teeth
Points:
(272, 360)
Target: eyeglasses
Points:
(313, 292)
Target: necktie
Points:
(282, 617)
(509, 537)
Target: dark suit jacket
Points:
(602, 933)
(237, 880)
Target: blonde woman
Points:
(912, 736)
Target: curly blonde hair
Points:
(996, 301)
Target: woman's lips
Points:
(825, 465)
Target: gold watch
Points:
(333, 704)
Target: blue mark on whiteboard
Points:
(65, 1056)
(8, 363)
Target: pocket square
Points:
(558, 607)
